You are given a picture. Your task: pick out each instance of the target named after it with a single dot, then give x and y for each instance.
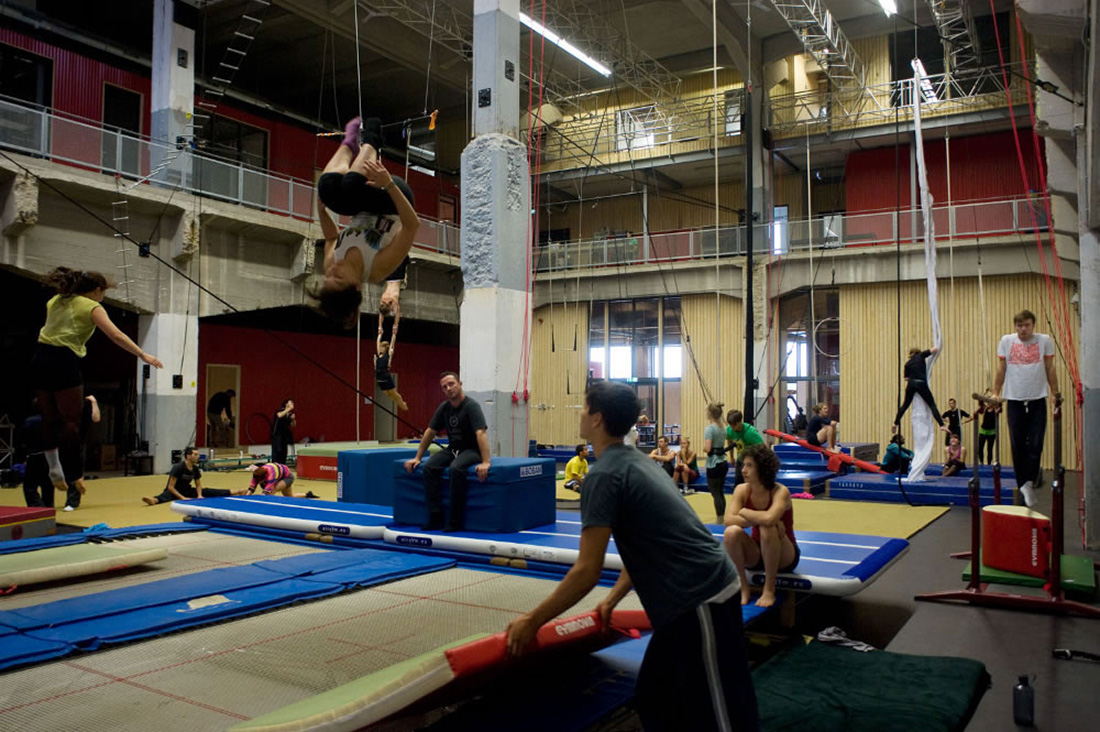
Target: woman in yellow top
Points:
(72, 315)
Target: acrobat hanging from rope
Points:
(375, 246)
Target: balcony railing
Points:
(961, 222)
(138, 159)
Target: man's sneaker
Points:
(311, 494)
(68, 508)
(689, 491)
(1027, 490)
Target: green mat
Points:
(1078, 575)
(48, 565)
(825, 688)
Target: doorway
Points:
(220, 377)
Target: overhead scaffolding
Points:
(955, 23)
(822, 38)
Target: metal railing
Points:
(960, 222)
(84, 144)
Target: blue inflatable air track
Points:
(130, 613)
(518, 494)
(364, 476)
(362, 521)
(933, 491)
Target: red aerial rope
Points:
(1061, 315)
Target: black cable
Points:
(294, 349)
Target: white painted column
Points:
(167, 413)
(496, 216)
(173, 92)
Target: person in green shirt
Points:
(740, 435)
(72, 316)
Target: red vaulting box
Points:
(1016, 539)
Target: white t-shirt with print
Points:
(1025, 366)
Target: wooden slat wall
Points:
(717, 331)
(558, 376)
(870, 371)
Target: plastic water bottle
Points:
(1023, 703)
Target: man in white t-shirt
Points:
(1025, 370)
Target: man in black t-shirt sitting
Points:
(180, 479)
(468, 445)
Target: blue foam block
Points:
(519, 493)
(934, 491)
(364, 476)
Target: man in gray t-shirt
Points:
(694, 675)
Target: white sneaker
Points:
(68, 508)
(1027, 490)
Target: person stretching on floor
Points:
(764, 506)
(577, 469)
(916, 384)
(897, 458)
(687, 470)
(384, 377)
(663, 456)
(956, 457)
(274, 478)
(185, 481)
(821, 431)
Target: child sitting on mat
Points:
(764, 506)
(687, 469)
(897, 458)
(956, 457)
(274, 478)
(577, 469)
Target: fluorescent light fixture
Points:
(926, 89)
(563, 44)
(889, 7)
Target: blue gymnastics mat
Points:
(984, 471)
(831, 564)
(933, 491)
(94, 535)
(140, 611)
(358, 520)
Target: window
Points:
(733, 112)
(228, 138)
(597, 342)
(26, 76)
(122, 126)
(779, 232)
(639, 129)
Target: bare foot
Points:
(149, 500)
(746, 595)
(767, 599)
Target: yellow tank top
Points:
(68, 323)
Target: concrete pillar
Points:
(496, 214)
(20, 205)
(173, 91)
(166, 399)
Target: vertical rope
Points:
(717, 211)
(358, 68)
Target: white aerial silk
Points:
(924, 423)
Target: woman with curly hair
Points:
(760, 524)
(72, 315)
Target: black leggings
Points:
(716, 482)
(1027, 427)
(986, 443)
(912, 388)
(348, 194)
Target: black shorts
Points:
(55, 368)
(811, 437)
(348, 194)
(399, 274)
(759, 566)
(386, 384)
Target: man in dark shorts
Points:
(468, 445)
(185, 481)
(695, 675)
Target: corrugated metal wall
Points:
(558, 373)
(870, 370)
